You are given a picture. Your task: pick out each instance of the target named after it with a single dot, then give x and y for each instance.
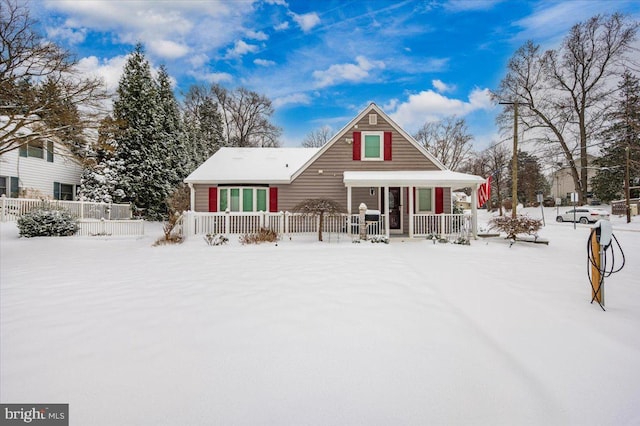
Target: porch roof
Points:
(411, 178)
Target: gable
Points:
(401, 152)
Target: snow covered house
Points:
(39, 170)
(371, 160)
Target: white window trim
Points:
(363, 146)
(241, 200)
(433, 200)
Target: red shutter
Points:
(439, 201)
(387, 146)
(213, 199)
(273, 199)
(356, 146)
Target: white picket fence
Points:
(286, 223)
(92, 228)
(12, 208)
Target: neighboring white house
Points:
(39, 170)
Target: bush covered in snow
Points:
(47, 221)
(215, 239)
(514, 226)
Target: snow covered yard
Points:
(307, 333)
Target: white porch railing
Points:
(12, 208)
(443, 225)
(286, 223)
(129, 228)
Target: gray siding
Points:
(337, 159)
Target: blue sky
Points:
(322, 62)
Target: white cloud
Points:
(442, 87)
(306, 21)
(282, 27)
(70, 35)
(212, 77)
(264, 62)
(167, 49)
(241, 48)
(431, 106)
(109, 70)
(295, 98)
(256, 35)
(346, 72)
(197, 61)
(277, 2)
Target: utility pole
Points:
(627, 190)
(514, 163)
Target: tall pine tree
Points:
(170, 131)
(146, 180)
(623, 133)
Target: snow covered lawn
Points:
(307, 333)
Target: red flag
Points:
(484, 192)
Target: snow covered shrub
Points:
(513, 226)
(379, 239)
(264, 235)
(462, 241)
(47, 221)
(215, 239)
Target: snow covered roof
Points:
(251, 165)
(411, 178)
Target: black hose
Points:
(602, 269)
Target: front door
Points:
(395, 207)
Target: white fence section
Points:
(196, 223)
(129, 228)
(443, 225)
(12, 208)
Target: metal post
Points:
(596, 294)
(514, 165)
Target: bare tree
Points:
(567, 91)
(448, 140)
(246, 115)
(318, 137)
(498, 159)
(32, 70)
(318, 207)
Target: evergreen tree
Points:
(622, 133)
(138, 141)
(100, 179)
(170, 131)
(530, 178)
(203, 126)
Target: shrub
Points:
(264, 235)
(47, 221)
(215, 239)
(514, 226)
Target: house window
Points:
(425, 200)
(62, 191)
(372, 145)
(244, 199)
(3, 186)
(33, 149)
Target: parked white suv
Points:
(583, 215)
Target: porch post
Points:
(192, 198)
(474, 211)
(410, 189)
(348, 209)
(386, 212)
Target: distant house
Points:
(562, 184)
(371, 160)
(462, 200)
(39, 170)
